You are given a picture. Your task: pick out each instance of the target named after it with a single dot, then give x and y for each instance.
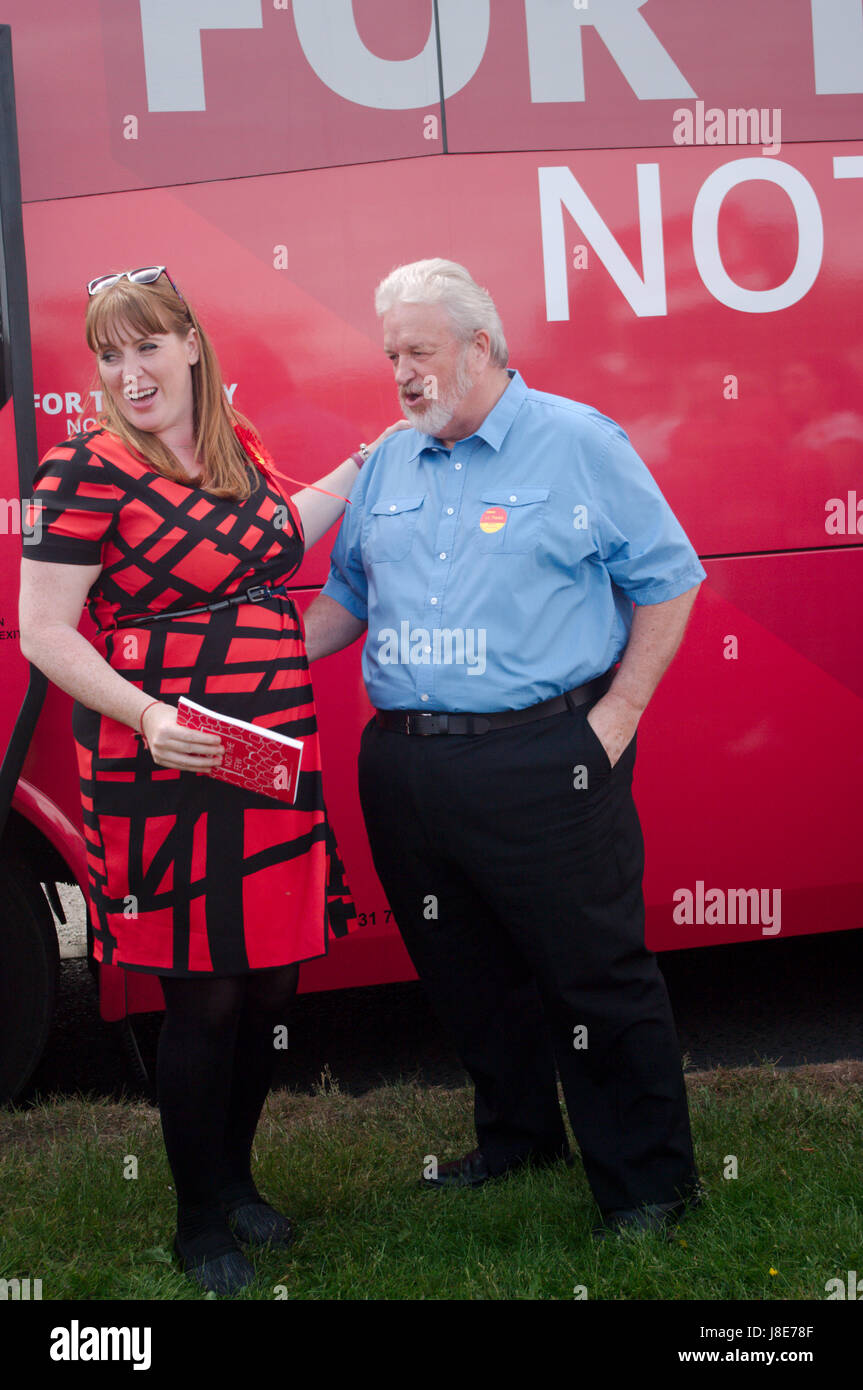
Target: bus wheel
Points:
(29, 966)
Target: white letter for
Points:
(172, 46)
(837, 45)
(557, 186)
(705, 236)
(848, 166)
(557, 62)
(331, 42)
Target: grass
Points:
(347, 1168)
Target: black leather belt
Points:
(409, 721)
(256, 594)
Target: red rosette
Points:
(253, 446)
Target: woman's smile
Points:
(139, 395)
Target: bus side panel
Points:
(207, 95)
(260, 89)
(750, 757)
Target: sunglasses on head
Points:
(146, 275)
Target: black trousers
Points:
(517, 891)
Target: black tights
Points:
(217, 1052)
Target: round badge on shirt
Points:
(492, 519)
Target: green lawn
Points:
(347, 1169)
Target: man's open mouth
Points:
(143, 395)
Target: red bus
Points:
(664, 199)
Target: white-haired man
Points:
(504, 555)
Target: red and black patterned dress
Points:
(188, 874)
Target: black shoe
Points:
(257, 1223)
(225, 1271)
(472, 1170)
(653, 1216)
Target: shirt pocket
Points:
(510, 519)
(390, 527)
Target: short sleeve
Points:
(642, 544)
(347, 583)
(73, 506)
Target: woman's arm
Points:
(51, 600)
(318, 512)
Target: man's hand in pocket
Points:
(614, 721)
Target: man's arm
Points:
(329, 627)
(656, 633)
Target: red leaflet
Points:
(257, 759)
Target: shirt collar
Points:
(495, 426)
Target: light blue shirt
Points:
(503, 571)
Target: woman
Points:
(171, 523)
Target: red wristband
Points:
(141, 721)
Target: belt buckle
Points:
(432, 716)
(257, 593)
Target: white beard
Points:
(435, 415)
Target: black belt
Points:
(409, 721)
(256, 594)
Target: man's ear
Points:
(482, 345)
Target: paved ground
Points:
(788, 1001)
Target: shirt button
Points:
(449, 511)
(458, 465)
(443, 555)
(393, 507)
(432, 600)
(426, 649)
(513, 498)
(424, 697)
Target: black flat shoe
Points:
(472, 1170)
(653, 1216)
(257, 1223)
(225, 1272)
(469, 1171)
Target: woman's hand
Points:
(173, 745)
(391, 429)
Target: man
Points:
(494, 553)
